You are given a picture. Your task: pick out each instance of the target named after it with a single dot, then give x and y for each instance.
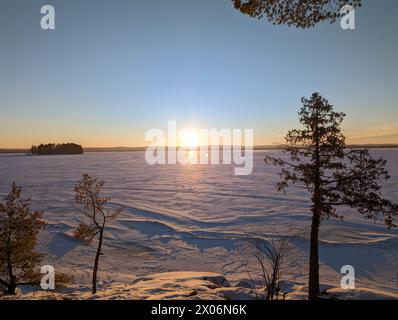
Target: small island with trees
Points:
(56, 149)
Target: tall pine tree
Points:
(335, 175)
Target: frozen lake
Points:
(195, 217)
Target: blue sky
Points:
(111, 70)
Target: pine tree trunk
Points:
(12, 287)
(313, 279)
(313, 282)
(96, 261)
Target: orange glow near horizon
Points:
(189, 137)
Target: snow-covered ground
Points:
(195, 218)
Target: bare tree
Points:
(333, 174)
(269, 256)
(297, 13)
(19, 228)
(93, 205)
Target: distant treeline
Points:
(52, 148)
(264, 147)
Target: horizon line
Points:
(255, 147)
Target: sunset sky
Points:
(114, 69)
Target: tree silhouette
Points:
(334, 174)
(297, 13)
(18, 236)
(88, 197)
(269, 256)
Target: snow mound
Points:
(160, 286)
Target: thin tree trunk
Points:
(12, 287)
(313, 282)
(313, 279)
(96, 261)
(274, 278)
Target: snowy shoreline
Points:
(185, 286)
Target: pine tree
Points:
(297, 13)
(19, 228)
(334, 174)
(88, 197)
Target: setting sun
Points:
(188, 138)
